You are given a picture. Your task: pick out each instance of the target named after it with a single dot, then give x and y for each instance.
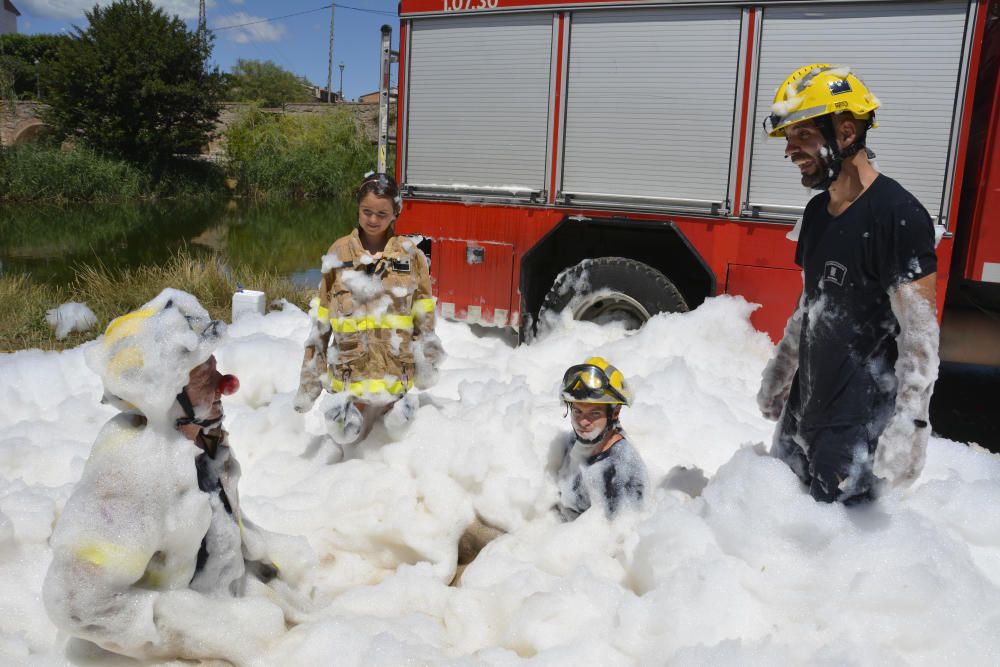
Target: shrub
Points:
(45, 173)
(315, 155)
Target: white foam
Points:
(751, 571)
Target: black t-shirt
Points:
(847, 351)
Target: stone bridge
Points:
(21, 122)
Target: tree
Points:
(23, 58)
(266, 83)
(134, 84)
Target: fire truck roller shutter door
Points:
(610, 289)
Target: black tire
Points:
(609, 289)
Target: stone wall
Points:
(24, 124)
(21, 125)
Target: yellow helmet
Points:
(595, 381)
(817, 90)
(145, 357)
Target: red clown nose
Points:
(228, 385)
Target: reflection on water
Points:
(285, 237)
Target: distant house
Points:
(324, 95)
(8, 18)
(372, 98)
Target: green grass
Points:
(281, 155)
(49, 174)
(110, 293)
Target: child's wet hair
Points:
(380, 185)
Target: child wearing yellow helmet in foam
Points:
(599, 465)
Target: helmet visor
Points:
(586, 382)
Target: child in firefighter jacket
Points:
(372, 337)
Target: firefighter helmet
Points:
(817, 90)
(595, 381)
(144, 357)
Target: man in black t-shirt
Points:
(851, 379)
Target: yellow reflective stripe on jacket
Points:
(322, 313)
(423, 306)
(113, 557)
(387, 321)
(362, 387)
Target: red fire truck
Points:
(613, 150)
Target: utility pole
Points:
(340, 93)
(202, 23)
(329, 64)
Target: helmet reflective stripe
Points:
(816, 90)
(126, 325)
(124, 360)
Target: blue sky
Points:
(298, 43)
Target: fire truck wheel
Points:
(613, 289)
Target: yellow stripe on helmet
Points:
(126, 359)
(126, 325)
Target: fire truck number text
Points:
(469, 5)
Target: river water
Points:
(285, 237)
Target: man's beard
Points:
(814, 180)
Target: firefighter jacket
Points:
(373, 323)
(151, 543)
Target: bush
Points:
(316, 155)
(41, 173)
(110, 293)
(46, 173)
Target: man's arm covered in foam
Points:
(902, 447)
(776, 380)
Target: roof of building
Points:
(9, 6)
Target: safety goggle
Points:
(587, 382)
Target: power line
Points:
(308, 11)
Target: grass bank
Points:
(305, 155)
(110, 293)
(45, 173)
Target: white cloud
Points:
(258, 32)
(237, 2)
(74, 9)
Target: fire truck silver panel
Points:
(479, 102)
(908, 54)
(650, 102)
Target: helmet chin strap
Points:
(185, 402)
(835, 162)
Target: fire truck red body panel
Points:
(478, 246)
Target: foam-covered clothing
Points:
(152, 530)
(373, 324)
(847, 340)
(615, 479)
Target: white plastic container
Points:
(248, 301)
